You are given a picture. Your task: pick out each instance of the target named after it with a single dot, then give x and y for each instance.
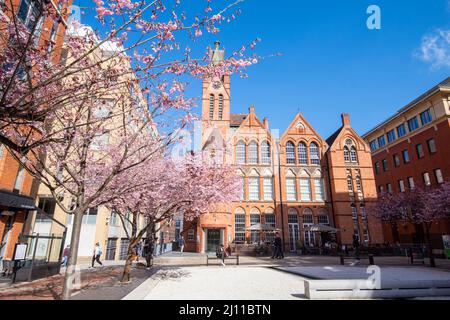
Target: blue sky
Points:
(331, 62)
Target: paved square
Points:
(388, 274)
(220, 283)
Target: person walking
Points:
(97, 254)
(221, 253)
(149, 248)
(356, 247)
(274, 249)
(138, 249)
(279, 247)
(66, 254)
(181, 243)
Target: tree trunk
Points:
(126, 275)
(72, 263)
(430, 247)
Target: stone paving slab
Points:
(360, 272)
(220, 283)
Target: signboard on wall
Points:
(446, 242)
(20, 252)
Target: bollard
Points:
(371, 260)
(342, 259)
(237, 257)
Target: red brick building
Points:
(291, 182)
(411, 149)
(16, 185)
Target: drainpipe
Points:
(281, 194)
(331, 190)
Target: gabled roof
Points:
(330, 140)
(299, 117)
(237, 119)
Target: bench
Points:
(416, 258)
(361, 289)
(236, 257)
(369, 257)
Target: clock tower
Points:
(216, 99)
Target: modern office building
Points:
(411, 149)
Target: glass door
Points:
(213, 239)
(293, 236)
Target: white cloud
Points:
(435, 49)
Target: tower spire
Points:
(217, 54)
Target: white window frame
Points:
(291, 189)
(290, 152)
(253, 156)
(305, 190)
(426, 179)
(265, 153)
(411, 183)
(318, 189)
(401, 185)
(211, 106)
(439, 176)
(314, 154)
(302, 153)
(268, 188)
(253, 188)
(191, 234)
(241, 152)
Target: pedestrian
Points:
(138, 249)
(221, 253)
(279, 247)
(149, 250)
(66, 254)
(97, 254)
(181, 243)
(356, 246)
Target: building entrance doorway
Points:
(213, 239)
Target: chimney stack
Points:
(266, 123)
(345, 119)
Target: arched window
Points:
(239, 225)
(346, 154)
(353, 155)
(302, 154)
(290, 153)
(292, 216)
(253, 152)
(240, 152)
(291, 189)
(255, 217)
(309, 239)
(265, 152)
(220, 106)
(350, 185)
(253, 185)
(322, 217)
(293, 229)
(359, 188)
(269, 218)
(211, 106)
(314, 153)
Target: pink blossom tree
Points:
(417, 206)
(147, 33)
(160, 189)
(55, 121)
